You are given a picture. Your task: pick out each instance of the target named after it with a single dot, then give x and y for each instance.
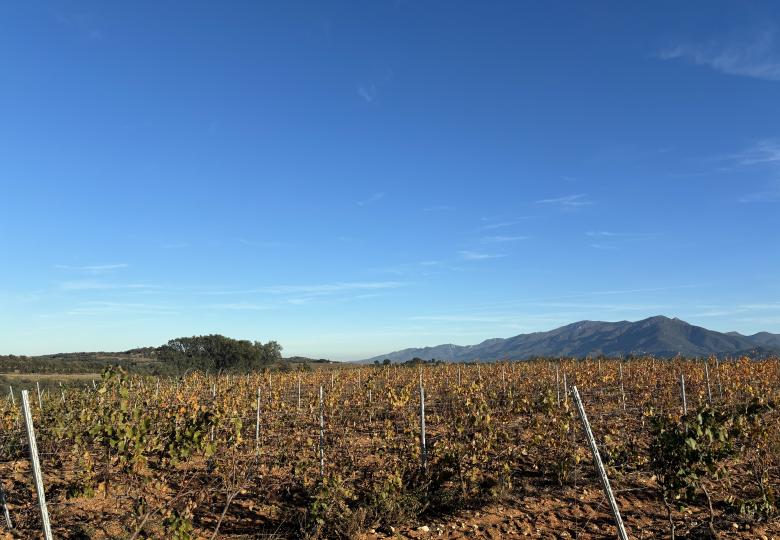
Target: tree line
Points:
(212, 352)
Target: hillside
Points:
(660, 336)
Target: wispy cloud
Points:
(176, 245)
(764, 151)
(760, 322)
(367, 296)
(367, 92)
(478, 255)
(99, 268)
(239, 306)
(331, 288)
(764, 155)
(485, 318)
(579, 199)
(757, 57)
(106, 308)
(529, 311)
(371, 84)
(609, 240)
(92, 285)
(314, 290)
(502, 239)
(769, 305)
(605, 234)
(92, 269)
(491, 224)
(716, 313)
(602, 306)
(419, 268)
(372, 199)
(261, 243)
(83, 23)
(576, 300)
(499, 225)
(769, 195)
(610, 292)
(731, 310)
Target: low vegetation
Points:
(236, 453)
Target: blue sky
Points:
(351, 178)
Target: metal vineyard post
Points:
(9, 525)
(622, 535)
(299, 392)
(36, 466)
(322, 434)
(423, 449)
(622, 389)
(257, 421)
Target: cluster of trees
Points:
(215, 352)
(416, 361)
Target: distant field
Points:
(50, 376)
(46, 381)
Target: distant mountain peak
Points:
(658, 335)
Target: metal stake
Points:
(621, 530)
(36, 466)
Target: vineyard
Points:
(691, 449)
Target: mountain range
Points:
(660, 336)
